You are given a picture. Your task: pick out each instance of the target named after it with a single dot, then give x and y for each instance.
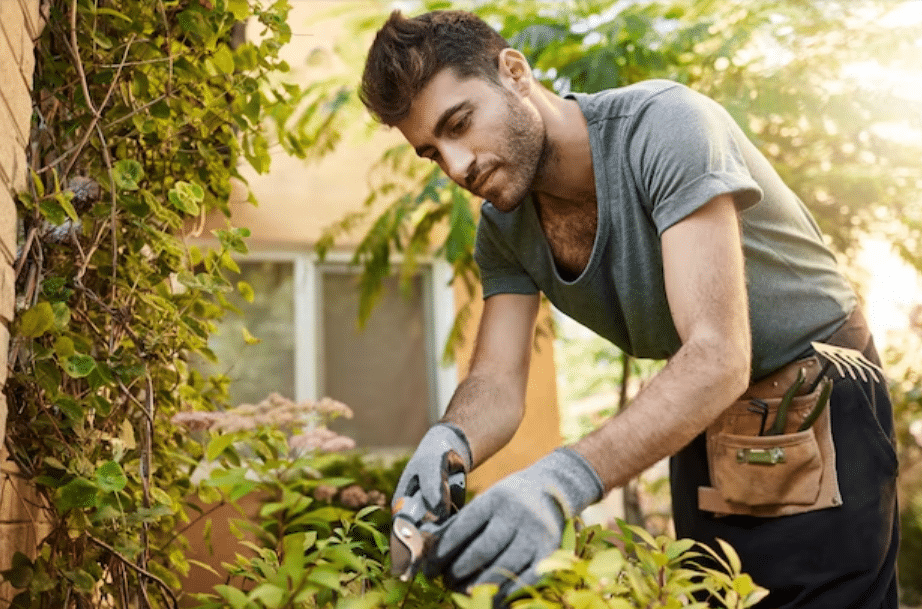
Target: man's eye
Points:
(461, 124)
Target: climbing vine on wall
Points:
(143, 110)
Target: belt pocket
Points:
(767, 470)
(770, 475)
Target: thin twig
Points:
(113, 215)
(192, 522)
(78, 62)
(143, 572)
(24, 252)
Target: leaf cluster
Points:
(309, 553)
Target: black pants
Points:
(836, 558)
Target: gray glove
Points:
(502, 534)
(427, 469)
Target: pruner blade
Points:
(407, 548)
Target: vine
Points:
(142, 112)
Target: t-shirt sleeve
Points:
(685, 150)
(500, 270)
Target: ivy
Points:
(142, 113)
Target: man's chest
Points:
(570, 234)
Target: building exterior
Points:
(304, 310)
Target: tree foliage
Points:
(816, 85)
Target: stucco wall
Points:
(20, 24)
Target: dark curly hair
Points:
(408, 52)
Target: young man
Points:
(645, 214)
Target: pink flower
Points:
(337, 444)
(196, 420)
(325, 492)
(353, 497)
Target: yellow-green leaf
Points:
(79, 366)
(246, 291)
(223, 59)
(37, 320)
(110, 477)
(249, 338)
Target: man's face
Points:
(484, 136)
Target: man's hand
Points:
(427, 470)
(502, 534)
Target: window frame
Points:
(438, 311)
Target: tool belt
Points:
(784, 474)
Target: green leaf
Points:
(481, 597)
(127, 174)
(37, 320)
(269, 595)
(732, 557)
(326, 577)
(249, 338)
(37, 182)
(20, 573)
(83, 581)
(52, 211)
(112, 12)
(110, 477)
(78, 493)
(223, 59)
(246, 291)
(186, 197)
(79, 366)
(240, 9)
(217, 445)
(61, 315)
(677, 548)
(236, 598)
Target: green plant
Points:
(318, 536)
(600, 568)
(142, 112)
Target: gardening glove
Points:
(502, 535)
(428, 470)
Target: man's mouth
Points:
(481, 180)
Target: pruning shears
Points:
(415, 526)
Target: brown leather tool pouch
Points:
(772, 475)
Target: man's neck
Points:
(566, 176)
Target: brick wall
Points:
(20, 24)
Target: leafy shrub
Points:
(321, 541)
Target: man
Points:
(645, 214)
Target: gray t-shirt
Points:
(659, 152)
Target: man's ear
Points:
(514, 71)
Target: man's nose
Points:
(459, 162)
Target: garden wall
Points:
(20, 24)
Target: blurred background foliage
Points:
(830, 91)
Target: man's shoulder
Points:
(627, 101)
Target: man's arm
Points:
(489, 403)
(705, 285)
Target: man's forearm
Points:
(489, 412)
(677, 405)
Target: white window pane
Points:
(382, 371)
(256, 370)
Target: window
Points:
(305, 313)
